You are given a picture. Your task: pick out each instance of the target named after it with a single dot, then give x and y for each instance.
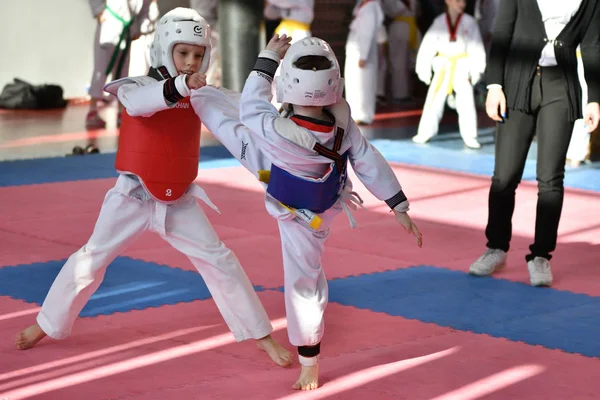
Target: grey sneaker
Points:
(540, 273)
(491, 261)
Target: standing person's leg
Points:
(554, 130)
(513, 140)
(102, 56)
(465, 107)
(433, 110)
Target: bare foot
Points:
(28, 338)
(309, 378)
(278, 354)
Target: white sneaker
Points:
(492, 260)
(421, 139)
(540, 273)
(472, 143)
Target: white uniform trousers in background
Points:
(451, 73)
(580, 140)
(126, 213)
(102, 56)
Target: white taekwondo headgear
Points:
(180, 25)
(309, 87)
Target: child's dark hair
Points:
(316, 63)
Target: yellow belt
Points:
(578, 53)
(413, 30)
(289, 26)
(312, 219)
(452, 59)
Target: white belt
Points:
(159, 218)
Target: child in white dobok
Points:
(302, 158)
(451, 50)
(157, 160)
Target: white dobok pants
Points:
(126, 213)
(305, 285)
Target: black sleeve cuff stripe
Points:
(170, 91)
(266, 66)
(397, 199)
(309, 351)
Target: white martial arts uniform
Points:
(296, 18)
(457, 64)
(258, 143)
(580, 140)
(140, 48)
(128, 211)
(209, 10)
(403, 38)
(108, 37)
(361, 83)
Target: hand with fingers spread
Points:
(195, 81)
(411, 228)
(279, 44)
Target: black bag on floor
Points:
(23, 95)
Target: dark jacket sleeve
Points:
(590, 54)
(501, 39)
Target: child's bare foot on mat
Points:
(309, 378)
(28, 338)
(278, 354)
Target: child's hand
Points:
(279, 44)
(404, 220)
(362, 63)
(195, 81)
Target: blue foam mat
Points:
(500, 308)
(129, 284)
(446, 155)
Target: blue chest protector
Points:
(316, 195)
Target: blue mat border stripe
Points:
(439, 156)
(550, 318)
(161, 285)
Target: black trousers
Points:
(549, 122)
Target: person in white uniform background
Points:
(118, 23)
(403, 38)
(296, 19)
(580, 140)
(451, 59)
(361, 69)
(140, 49)
(301, 157)
(157, 161)
(209, 9)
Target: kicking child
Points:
(301, 157)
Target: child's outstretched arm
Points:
(373, 170)
(260, 116)
(144, 96)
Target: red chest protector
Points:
(163, 150)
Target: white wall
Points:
(51, 41)
(47, 41)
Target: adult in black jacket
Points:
(534, 90)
